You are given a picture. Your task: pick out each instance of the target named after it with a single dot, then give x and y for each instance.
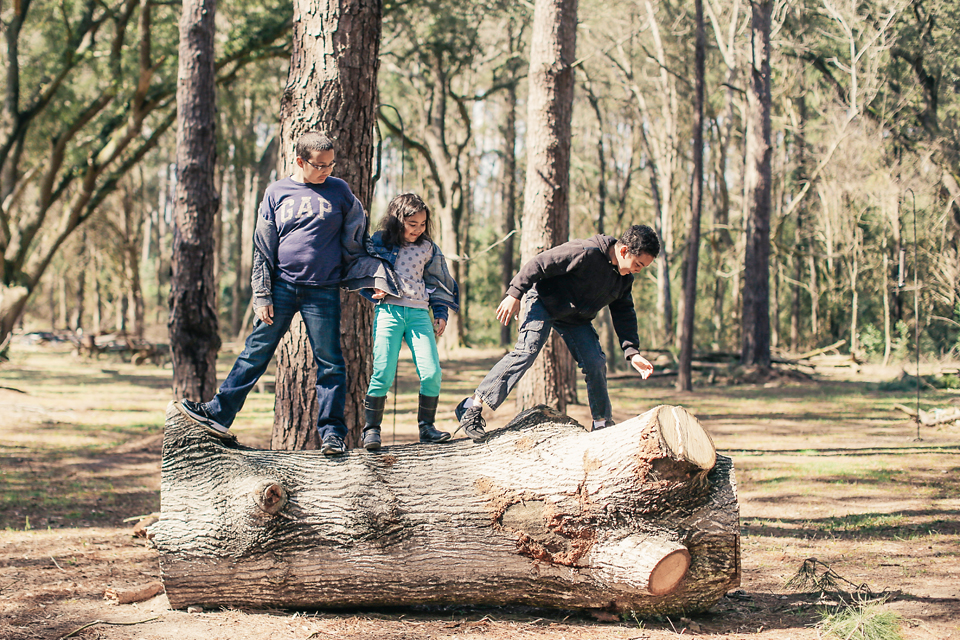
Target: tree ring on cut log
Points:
(668, 573)
(685, 437)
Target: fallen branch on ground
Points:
(139, 594)
(90, 624)
(931, 418)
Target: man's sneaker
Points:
(198, 411)
(471, 421)
(333, 445)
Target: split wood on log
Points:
(641, 516)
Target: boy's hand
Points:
(438, 326)
(642, 365)
(379, 294)
(508, 310)
(265, 313)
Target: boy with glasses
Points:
(308, 225)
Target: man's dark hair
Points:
(400, 208)
(641, 239)
(312, 141)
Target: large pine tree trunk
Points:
(685, 374)
(546, 200)
(194, 337)
(332, 88)
(755, 340)
(641, 516)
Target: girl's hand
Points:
(379, 294)
(438, 326)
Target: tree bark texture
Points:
(546, 199)
(641, 516)
(509, 195)
(331, 88)
(685, 373)
(801, 176)
(193, 328)
(755, 341)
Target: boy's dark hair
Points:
(312, 141)
(400, 208)
(641, 239)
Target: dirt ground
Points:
(826, 469)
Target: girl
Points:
(408, 278)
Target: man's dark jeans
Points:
(583, 342)
(320, 309)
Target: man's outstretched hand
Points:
(508, 310)
(642, 365)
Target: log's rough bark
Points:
(641, 516)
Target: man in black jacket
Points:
(564, 288)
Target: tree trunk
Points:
(641, 517)
(799, 239)
(887, 341)
(76, 320)
(755, 340)
(97, 296)
(194, 336)
(131, 248)
(546, 201)
(509, 196)
(332, 88)
(63, 310)
(855, 302)
(685, 374)
(814, 300)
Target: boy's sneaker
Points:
(471, 421)
(198, 412)
(333, 445)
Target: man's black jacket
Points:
(577, 279)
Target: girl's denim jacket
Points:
(375, 270)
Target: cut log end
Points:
(685, 436)
(654, 564)
(666, 576)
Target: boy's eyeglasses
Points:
(321, 167)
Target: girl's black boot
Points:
(373, 416)
(426, 415)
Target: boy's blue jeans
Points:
(320, 309)
(583, 342)
(392, 324)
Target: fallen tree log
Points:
(641, 516)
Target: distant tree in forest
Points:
(755, 348)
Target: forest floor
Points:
(825, 469)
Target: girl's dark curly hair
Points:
(400, 208)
